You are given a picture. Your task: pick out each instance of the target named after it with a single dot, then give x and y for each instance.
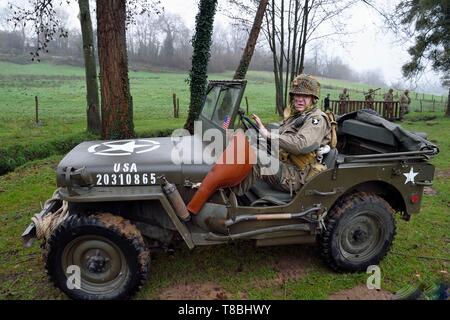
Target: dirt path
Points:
(205, 291)
(360, 293)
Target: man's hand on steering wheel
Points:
(258, 126)
(262, 129)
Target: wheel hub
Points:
(97, 263)
(103, 265)
(360, 236)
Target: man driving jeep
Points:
(305, 129)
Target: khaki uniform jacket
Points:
(389, 97)
(369, 101)
(305, 133)
(344, 97)
(404, 100)
(297, 135)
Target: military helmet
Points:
(305, 84)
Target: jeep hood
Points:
(133, 162)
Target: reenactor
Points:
(369, 99)
(405, 101)
(300, 136)
(389, 104)
(344, 97)
(326, 103)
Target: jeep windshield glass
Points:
(219, 105)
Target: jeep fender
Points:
(135, 193)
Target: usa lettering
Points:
(125, 167)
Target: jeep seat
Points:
(264, 191)
(329, 159)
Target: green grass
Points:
(61, 93)
(421, 248)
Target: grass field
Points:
(420, 251)
(61, 93)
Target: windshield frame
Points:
(239, 84)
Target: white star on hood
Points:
(410, 176)
(128, 147)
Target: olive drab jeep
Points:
(118, 201)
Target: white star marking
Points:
(410, 176)
(127, 147)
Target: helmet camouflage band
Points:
(305, 84)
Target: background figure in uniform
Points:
(300, 136)
(369, 100)
(326, 103)
(389, 105)
(344, 97)
(405, 101)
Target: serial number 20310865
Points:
(125, 179)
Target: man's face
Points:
(301, 102)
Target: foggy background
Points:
(365, 51)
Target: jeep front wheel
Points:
(106, 252)
(359, 231)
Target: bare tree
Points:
(112, 17)
(247, 55)
(289, 26)
(90, 67)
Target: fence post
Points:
(178, 107)
(174, 100)
(421, 106)
(433, 104)
(36, 100)
(246, 103)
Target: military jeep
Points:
(119, 201)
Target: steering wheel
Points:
(247, 122)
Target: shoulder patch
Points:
(315, 121)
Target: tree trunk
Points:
(294, 41)
(447, 113)
(305, 32)
(93, 106)
(246, 58)
(201, 43)
(117, 108)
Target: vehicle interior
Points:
(356, 137)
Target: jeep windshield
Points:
(221, 102)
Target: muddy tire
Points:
(108, 252)
(359, 231)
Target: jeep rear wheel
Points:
(359, 231)
(106, 251)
